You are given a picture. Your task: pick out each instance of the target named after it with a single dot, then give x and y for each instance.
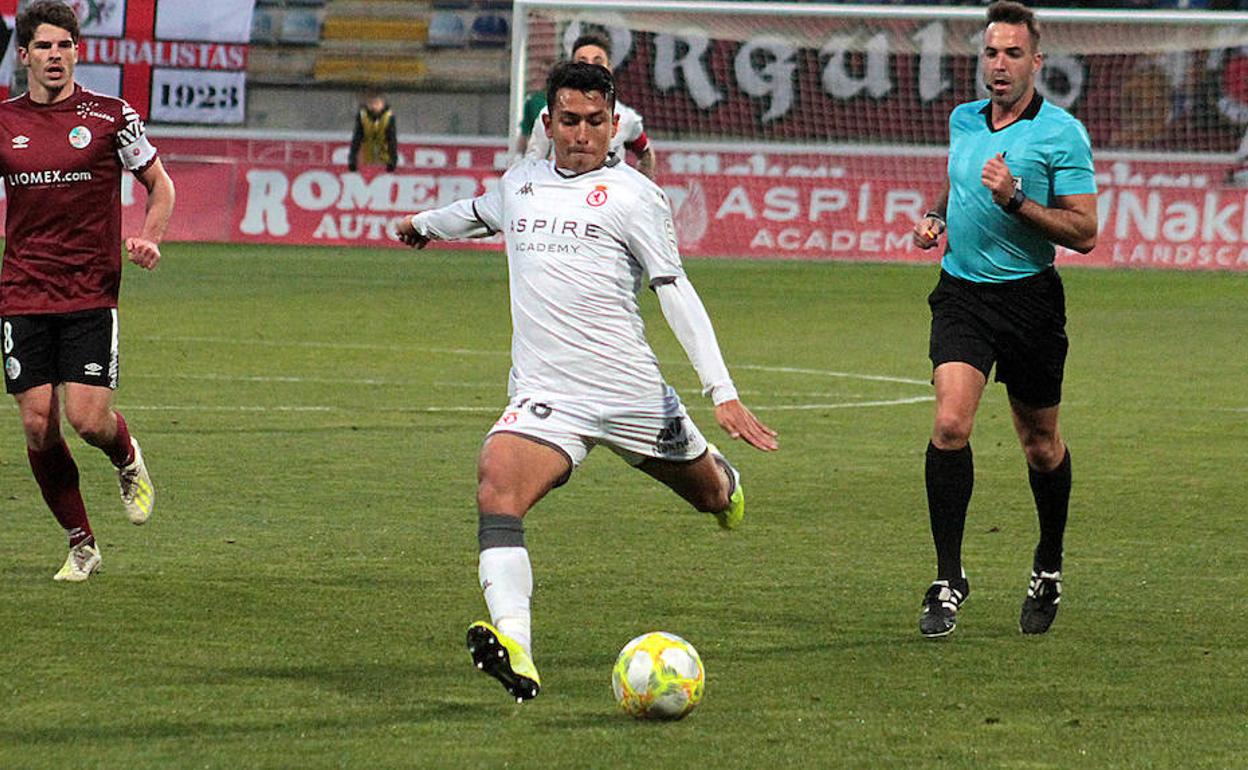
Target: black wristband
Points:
(940, 220)
(1015, 202)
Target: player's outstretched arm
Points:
(467, 218)
(144, 249)
(687, 317)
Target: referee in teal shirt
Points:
(1020, 181)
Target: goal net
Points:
(736, 92)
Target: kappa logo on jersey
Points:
(21, 142)
(92, 110)
(598, 196)
(525, 189)
(79, 137)
(93, 370)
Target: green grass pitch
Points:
(311, 419)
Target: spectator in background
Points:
(375, 141)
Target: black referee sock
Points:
(1052, 493)
(950, 475)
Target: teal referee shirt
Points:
(1047, 151)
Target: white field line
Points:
(846, 405)
(328, 345)
(265, 378)
(453, 409)
(825, 373)
(437, 384)
(233, 408)
(472, 352)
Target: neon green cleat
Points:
(732, 517)
(83, 559)
(137, 493)
(500, 656)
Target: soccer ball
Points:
(658, 676)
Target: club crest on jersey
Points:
(12, 367)
(598, 196)
(79, 137)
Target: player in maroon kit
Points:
(62, 152)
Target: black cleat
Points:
(496, 654)
(940, 607)
(1044, 593)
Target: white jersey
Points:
(630, 129)
(577, 249)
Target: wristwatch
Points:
(1015, 202)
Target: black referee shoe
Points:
(940, 607)
(1044, 593)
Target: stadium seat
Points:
(300, 26)
(490, 29)
(447, 30)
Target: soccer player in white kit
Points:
(581, 232)
(630, 134)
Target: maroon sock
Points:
(57, 475)
(121, 452)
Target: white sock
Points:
(507, 582)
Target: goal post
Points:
(862, 94)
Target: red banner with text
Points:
(1153, 213)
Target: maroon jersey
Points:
(62, 166)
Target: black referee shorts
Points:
(1018, 325)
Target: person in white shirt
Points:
(581, 232)
(595, 48)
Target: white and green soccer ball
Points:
(658, 676)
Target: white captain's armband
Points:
(133, 147)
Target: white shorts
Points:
(658, 428)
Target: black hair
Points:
(52, 12)
(1010, 12)
(580, 76)
(593, 38)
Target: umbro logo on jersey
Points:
(525, 189)
(21, 142)
(92, 370)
